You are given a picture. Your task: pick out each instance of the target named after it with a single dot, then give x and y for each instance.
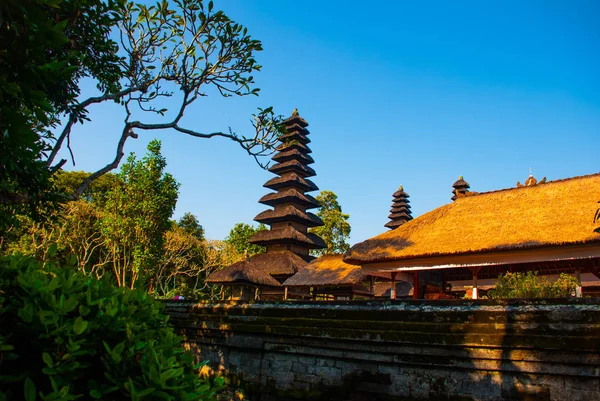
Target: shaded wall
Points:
(459, 350)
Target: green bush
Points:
(66, 336)
(530, 285)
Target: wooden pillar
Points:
(393, 287)
(416, 292)
(285, 295)
(578, 292)
(475, 294)
(372, 289)
(256, 294)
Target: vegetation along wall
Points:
(457, 350)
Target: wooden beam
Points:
(499, 258)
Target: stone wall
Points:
(436, 350)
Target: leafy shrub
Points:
(530, 285)
(67, 336)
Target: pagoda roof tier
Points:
(401, 202)
(293, 166)
(289, 196)
(400, 194)
(297, 128)
(289, 213)
(400, 215)
(291, 180)
(394, 224)
(295, 119)
(294, 137)
(400, 209)
(294, 145)
(288, 235)
(292, 154)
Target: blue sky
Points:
(396, 93)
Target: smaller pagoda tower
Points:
(461, 187)
(400, 211)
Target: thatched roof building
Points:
(288, 241)
(330, 277)
(547, 223)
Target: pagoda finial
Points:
(400, 188)
(295, 112)
(531, 181)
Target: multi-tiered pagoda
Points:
(460, 187)
(400, 211)
(288, 241)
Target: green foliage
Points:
(64, 336)
(67, 182)
(336, 229)
(47, 47)
(137, 214)
(189, 223)
(240, 234)
(530, 285)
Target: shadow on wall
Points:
(384, 350)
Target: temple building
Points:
(328, 278)
(547, 227)
(288, 241)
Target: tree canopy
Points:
(336, 229)
(181, 50)
(240, 234)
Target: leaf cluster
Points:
(239, 237)
(47, 47)
(336, 228)
(65, 336)
(530, 285)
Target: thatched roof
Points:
(291, 180)
(328, 270)
(289, 213)
(550, 214)
(288, 235)
(289, 196)
(258, 269)
(292, 154)
(294, 166)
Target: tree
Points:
(136, 217)
(530, 285)
(336, 229)
(47, 47)
(240, 234)
(67, 182)
(189, 223)
(182, 50)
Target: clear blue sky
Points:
(396, 93)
